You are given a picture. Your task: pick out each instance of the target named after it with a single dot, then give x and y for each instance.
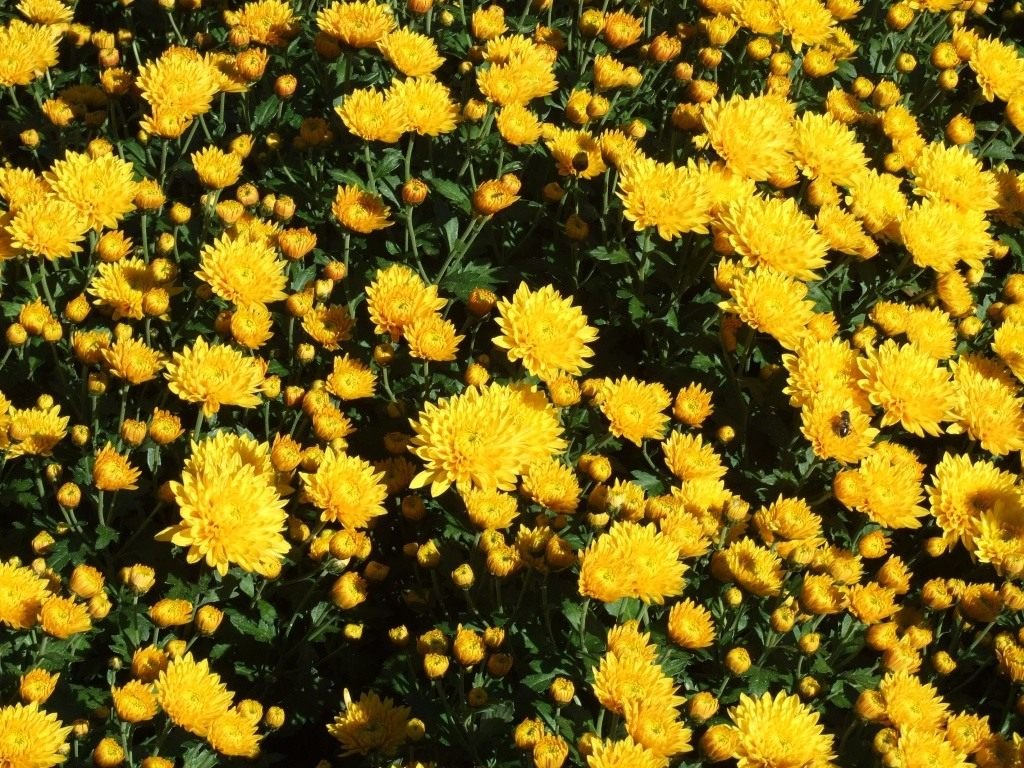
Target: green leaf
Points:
(265, 111)
(261, 633)
(613, 256)
(105, 536)
(453, 193)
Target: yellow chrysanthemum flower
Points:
(214, 376)
(755, 136)
(818, 367)
(351, 379)
(910, 386)
(837, 427)
(269, 22)
(370, 725)
(411, 53)
(179, 85)
(191, 695)
(1008, 343)
(28, 50)
(962, 489)
(779, 730)
(426, 104)
(551, 484)
(518, 125)
(243, 270)
(623, 754)
(634, 408)
(133, 360)
(134, 702)
(999, 68)
(888, 488)
(659, 729)
(233, 734)
(373, 115)
(909, 702)
(954, 175)
(31, 738)
(46, 11)
(756, 569)
(844, 233)
(432, 337)
(490, 510)
(775, 233)
(347, 490)
(484, 438)
(22, 592)
(664, 196)
(35, 431)
(216, 168)
(627, 677)
(631, 560)
(987, 409)
(825, 149)
(546, 331)
(877, 200)
(576, 153)
(101, 188)
(691, 626)
(329, 325)
(231, 514)
(356, 23)
(50, 227)
(62, 617)
(999, 537)
(359, 210)
(688, 457)
(112, 471)
(773, 303)
(397, 297)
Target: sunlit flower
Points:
(216, 168)
(756, 569)
(233, 734)
(350, 379)
(356, 23)
(269, 22)
(432, 337)
(347, 490)
(411, 53)
(373, 115)
(961, 490)
(690, 625)
(35, 431)
(773, 303)
(113, 471)
(370, 725)
(191, 695)
(631, 560)
(484, 437)
(397, 297)
(634, 409)
(51, 227)
(243, 270)
(779, 731)
(359, 210)
(30, 737)
(753, 135)
(954, 174)
(825, 149)
(775, 233)
(999, 68)
(26, 51)
(22, 592)
(909, 386)
(672, 199)
(214, 375)
(576, 153)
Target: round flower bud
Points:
(737, 661)
(873, 545)
(702, 706)
(943, 663)
(481, 301)
(16, 334)
(719, 743)
(414, 191)
(86, 581)
(171, 612)
(435, 665)
(273, 718)
(108, 753)
(499, 664)
(469, 647)
(463, 577)
(561, 691)
(37, 685)
(808, 687)
(208, 619)
(899, 16)
(948, 80)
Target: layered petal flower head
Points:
(779, 731)
(214, 375)
(546, 331)
(671, 199)
(243, 270)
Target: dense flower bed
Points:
(414, 384)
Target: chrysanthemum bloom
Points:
(773, 303)
(22, 592)
(631, 560)
(37, 685)
(837, 427)
(398, 296)
(370, 725)
(214, 376)
(954, 175)
(999, 538)
(355, 23)
(684, 529)
(909, 386)
(373, 115)
(518, 125)
(216, 168)
(411, 53)
(191, 695)
(347, 490)
(113, 472)
(659, 729)
(1008, 343)
(688, 457)
(756, 569)
(634, 408)
(690, 625)
(490, 510)
(576, 153)
(30, 737)
(232, 512)
(753, 135)
(62, 617)
(432, 337)
(350, 379)
(988, 409)
(123, 286)
(492, 196)
(488, 22)
(28, 51)
(962, 489)
(101, 188)
(19, 186)
(805, 22)
(35, 431)
(484, 437)
(890, 487)
(329, 325)
(872, 603)
(825, 149)
(269, 22)
(671, 199)
(999, 68)
(252, 325)
(148, 662)
(877, 200)
(630, 677)
(844, 233)
(359, 210)
(426, 104)
(819, 367)
(778, 731)
(243, 270)
(921, 747)
(134, 702)
(610, 73)
(911, 703)
(775, 233)
(623, 754)
(551, 484)
(546, 331)
(50, 227)
(233, 734)
(179, 86)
